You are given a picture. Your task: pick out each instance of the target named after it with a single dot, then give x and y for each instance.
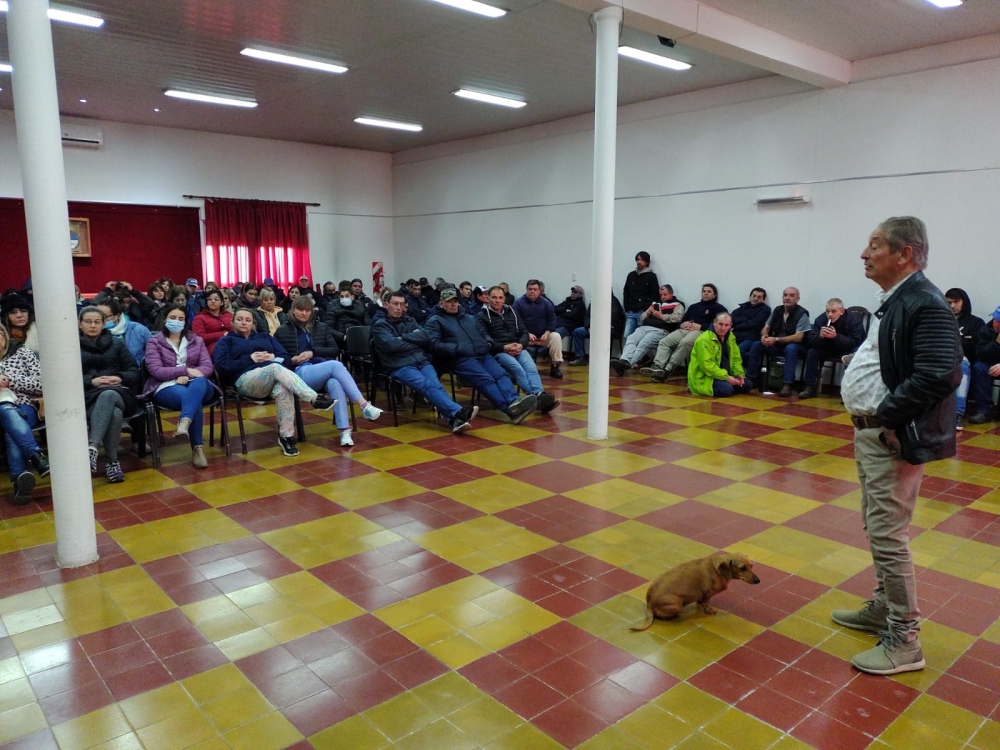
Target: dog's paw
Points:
(709, 610)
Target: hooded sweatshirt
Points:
(968, 325)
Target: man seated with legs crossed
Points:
(834, 333)
(659, 319)
(457, 340)
(783, 335)
(499, 324)
(401, 346)
(716, 368)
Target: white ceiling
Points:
(407, 56)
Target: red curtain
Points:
(255, 240)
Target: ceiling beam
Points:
(706, 28)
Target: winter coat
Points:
(210, 328)
(749, 320)
(538, 316)
(260, 320)
(501, 328)
(570, 313)
(969, 327)
(323, 339)
(641, 290)
(400, 343)
(850, 334)
(232, 354)
(416, 306)
(136, 337)
(456, 336)
(22, 369)
(703, 313)
(671, 319)
(107, 355)
(706, 358)
(161, 361)
(340, 318)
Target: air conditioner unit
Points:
(81, 136)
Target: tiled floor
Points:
(424, 590)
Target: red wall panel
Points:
(130, 243)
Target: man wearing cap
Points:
(457, 340)
(499, 324)
(900, 392)
(279, 296)
(539, 317)
(571, 312)
(985, 369)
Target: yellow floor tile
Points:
(395, 457)
(367, 490)
(501, 459)
(613, 462)
(86, 731)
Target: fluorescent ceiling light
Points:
(479, 96)
(209, 99)
(6, 68)
(649, 57)
(474, 7)
(945, 3)
(302, 62)
(66, 16)
(376, 122)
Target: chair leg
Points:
(154, 438)
(300, 428)
(224, 427)
(354, 418)
(211, 426)
(239, 419)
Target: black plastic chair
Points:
(359, 353)
(861, 312)
(232, 395)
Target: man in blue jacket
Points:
(539, 317)
(749, 319)
(456, 339)
(401, 346)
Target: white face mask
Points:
(346, 301)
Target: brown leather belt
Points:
(866, 423)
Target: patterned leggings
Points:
(279, 383)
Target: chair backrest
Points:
(359, 340)
(861, 312)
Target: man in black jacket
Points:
(749, 319)
(834, 333)
(457, 340)
(900, 391)
(783, 335)
(641, 290)
(401, 346)
(986, 367)
(969, 326)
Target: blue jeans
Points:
(962, 394)
(522, 370)
(17, 422)
(725, 389)
(632, 322)
(424, 380)
(188, 400)
(486, 374)
(331, 376)
(790, 352)
(580, 335)
(643, 340)
(981, 388)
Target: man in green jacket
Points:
(716, 368)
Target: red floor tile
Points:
(569, 723)
(774, 708)
(824, 733)
(528, 697)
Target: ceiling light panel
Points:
(945, 3)
(210, 98)
(6, 68)
(302, 62)
(649, 57)
(472, 6)
(482, 96)
(66, 15)
(392, 124)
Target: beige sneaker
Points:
(182, 428)
(198, 459)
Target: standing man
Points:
(900, 391)
(641, 290)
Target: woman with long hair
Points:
(254, 363)
(313, 349)
(110, 380)
(19, 316)
(20, 390)
(248, 296)
(179, 368)
(214, 321)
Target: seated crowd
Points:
(180, 346)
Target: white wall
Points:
(509, 208)
(157, 166)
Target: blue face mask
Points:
(110, 324)
(174, 326)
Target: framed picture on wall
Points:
(79, 237)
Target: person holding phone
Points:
(834, 333)
(660, 318)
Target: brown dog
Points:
(694, 581)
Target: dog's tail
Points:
(647, 623)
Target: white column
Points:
(39, 145)
(605, 133)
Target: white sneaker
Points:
(371, 412)
(345, 438)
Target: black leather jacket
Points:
(920, 354)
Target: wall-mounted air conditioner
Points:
(81, 136)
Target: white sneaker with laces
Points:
(371, 412)
(345, 438)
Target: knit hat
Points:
(13, 302)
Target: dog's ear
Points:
(722, 564)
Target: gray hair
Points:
(903, 231)
(835, 302)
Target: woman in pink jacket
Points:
(179, 367)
